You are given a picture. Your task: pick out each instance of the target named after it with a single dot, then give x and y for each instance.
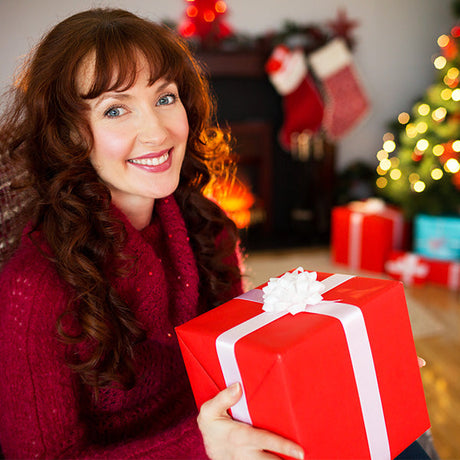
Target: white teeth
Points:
(151, 161)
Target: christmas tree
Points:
(419, 167)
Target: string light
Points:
(385, 165)
(414, 177)
(443, 41)
(437, 173)
(439, 114)
(440, 62)
(419, 186)
(220, 7)
(382, 155)
(438, 150)
(452, 73)
(403, 118)
(421, 127)
(381, 182)
(424, 109)
(452, 165)
(456, 95)
(389, 146)
(395, 174)
(456, 145)
(446, 93)
(422, 145)
(411, 131)
(394, 162)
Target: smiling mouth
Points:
(157, 161)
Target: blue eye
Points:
(114, 112)
(167, 99)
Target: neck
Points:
(138, 212)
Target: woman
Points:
(112, 123)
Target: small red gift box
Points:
(364, 233)
(407, 267)
(445, 273)
(341, 378)
(413, 268)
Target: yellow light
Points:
(395, 174)
(411, 131)
(421, 127)
(452, 165)
(443, 41)
(436, 173)
(424, 109)
(456, 94)
(453, 72)
(456, 146)
(389, 146)
(446, 94)
(382, 155)
(422, 145)
(381, 182)
(388, 137)
(414, 177)
(380, 171)
(419, 186)
(449, 81)
(394, 162)
(439, 114)
(438, 150)
(403, 118)
(385, 165)
(440, 62)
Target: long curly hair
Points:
(47, 130)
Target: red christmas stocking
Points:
(346, 101)
(302, 104)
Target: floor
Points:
(435, 317)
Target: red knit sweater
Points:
(46, 411)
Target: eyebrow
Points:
(123, 96)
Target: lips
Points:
(155, 162)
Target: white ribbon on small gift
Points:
(453, 276)
(300, 291)
(360, 209)
(408, 266)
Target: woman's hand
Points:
(226, 439)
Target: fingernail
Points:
(297, 453)
(421, 362)
(234, 388)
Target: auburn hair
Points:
(48, 131)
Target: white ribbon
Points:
(408, 266)
(352, 321)
(453, 276)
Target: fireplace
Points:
(292, 193)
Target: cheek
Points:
(109, 144)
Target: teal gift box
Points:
(437, 237)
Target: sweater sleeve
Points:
(39, 397)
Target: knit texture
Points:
(45, 410)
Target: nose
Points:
(152, 129)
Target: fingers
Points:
(421, 362)
(264, 442)
(218, 406)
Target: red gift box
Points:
(364, 233)
(341, 379)
(413, 268)
(445, 273)
(408, 267)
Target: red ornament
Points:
(204, 20)
(342, 26)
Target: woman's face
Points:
(140, 138)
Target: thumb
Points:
(225, 399)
